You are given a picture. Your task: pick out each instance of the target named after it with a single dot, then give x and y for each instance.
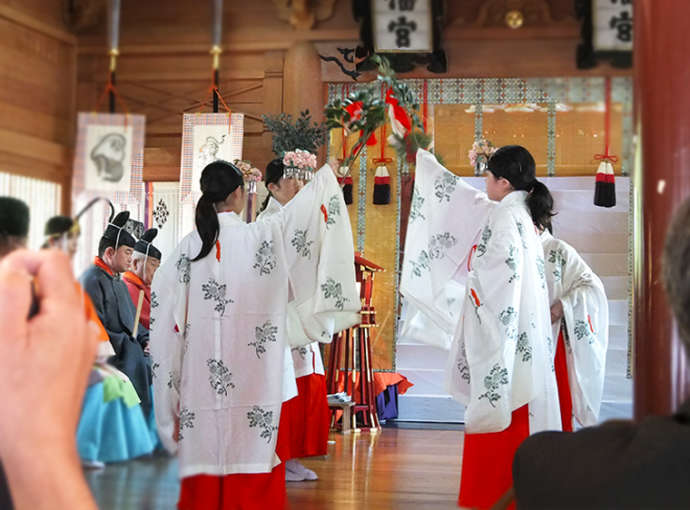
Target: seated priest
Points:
(115, 308)
(112, 427)
(145, 261)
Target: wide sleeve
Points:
(169, 298)
(105, 348)
(585, 311)
(320, 258)
(446, 217)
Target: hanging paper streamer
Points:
(605, 186)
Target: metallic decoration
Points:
(514, 19)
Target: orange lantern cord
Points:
(607, 126)
(209, 96)
(110, 87)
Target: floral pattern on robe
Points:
(220, 343)
(499, 331)
(586, 322)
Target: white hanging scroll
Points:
(402, 26)
(108, 163)
(109, 155)
(612, 23)
(206, 137)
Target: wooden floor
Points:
(395, 469)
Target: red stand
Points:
(356, 344)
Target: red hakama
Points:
(305, 420)
(487, 462)
(235, 492)
(564, 395)
(246, 491)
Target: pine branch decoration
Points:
(289, 134)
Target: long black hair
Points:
(516, 164)
(274, 172)
(218, 180)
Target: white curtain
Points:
(164, 213)
(44, 199)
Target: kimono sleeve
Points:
(169, 296)
(585, 311)
(446, 217)
(320, 253)
(491, 326)
(94, 289)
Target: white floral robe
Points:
(585, 322)
(502, 348)
(218, 336)
(304, 353)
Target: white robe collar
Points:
(512, 198)
(273, 207)
(229, 218)
(545, 236)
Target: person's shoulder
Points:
(508, 221)
(91, 273)
(610, 435)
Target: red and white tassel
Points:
(346, 185)
(605, 187)
(382, 186)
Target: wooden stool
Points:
(346, 408)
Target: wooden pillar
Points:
(662, 181)
(302, 86)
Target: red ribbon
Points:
(399, 112)
(355, 110)
(475, 297)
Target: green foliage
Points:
(407, 146)
(289, 135)
(373, 112)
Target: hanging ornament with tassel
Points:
(382, 178)
(605, 186)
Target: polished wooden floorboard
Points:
(395, 469)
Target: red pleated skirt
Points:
(487, 462)
(258, 491)
(564, 395)
(305, 420)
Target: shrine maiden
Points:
(580, 318)
(483, 249)
(305, 419)
(219, 332)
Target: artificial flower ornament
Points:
(479, 155)
(299, 164)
